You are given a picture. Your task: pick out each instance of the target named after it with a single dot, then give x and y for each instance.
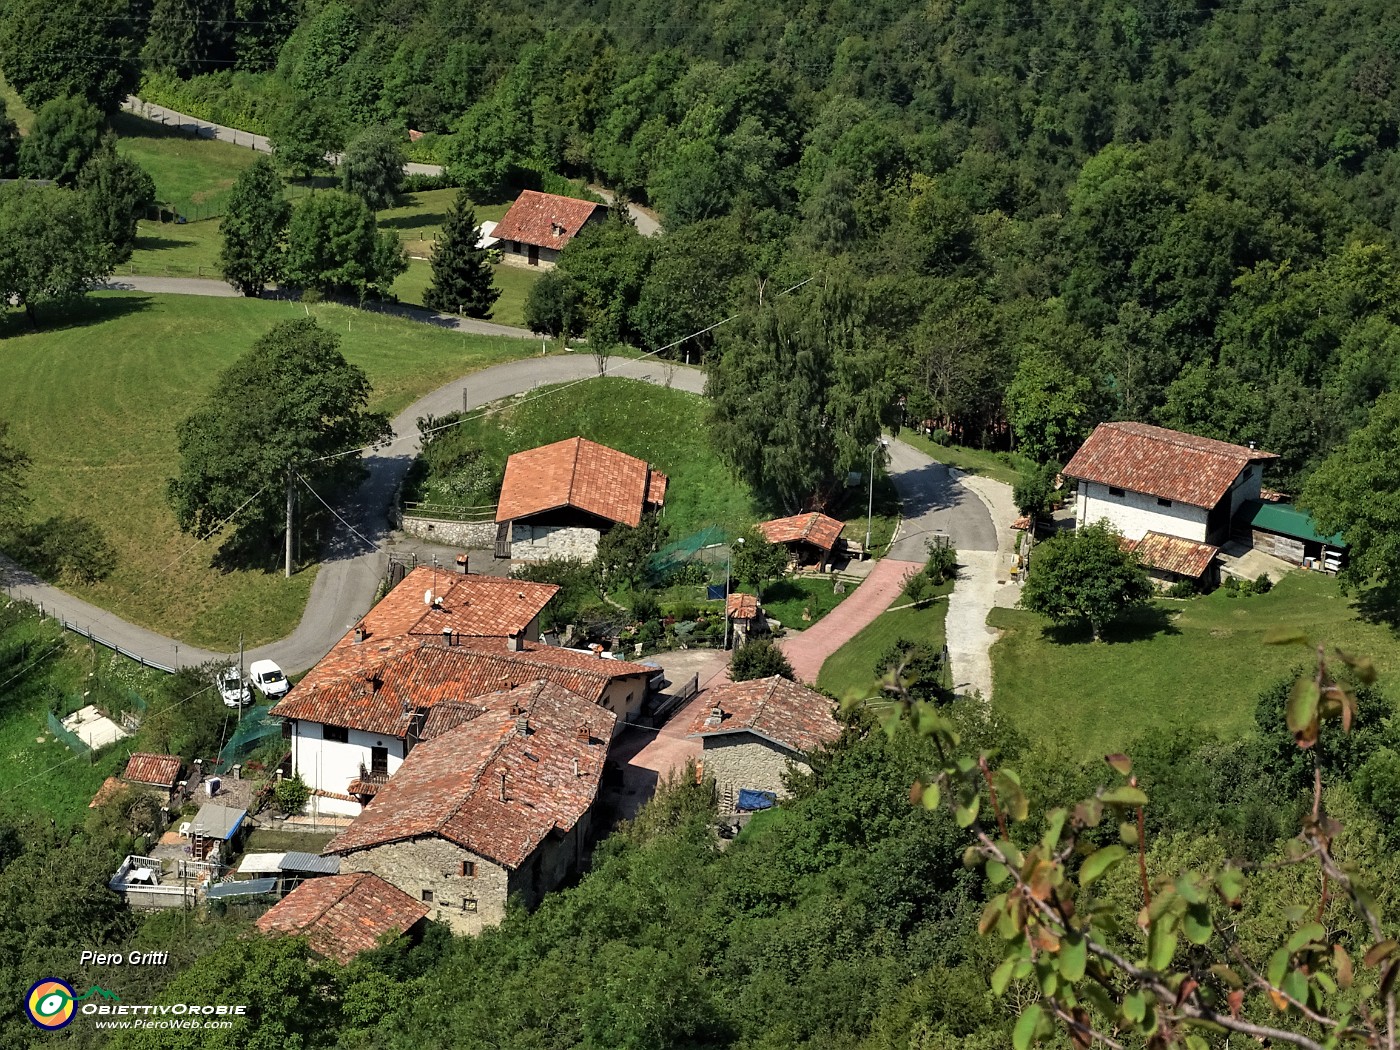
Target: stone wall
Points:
(469, 535)
(542, 542)
(435, 864)
(740, 760)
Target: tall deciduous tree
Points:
(1048, 407)
(287, 402)
(759, 658)
(254, 229)
(302, 134)
(51, 253)
(1356, 492)
(797, 396)
(67, 133)
(462, 275)
(334, 247)
(188, 37)
(86, 48)
(1084, 576)
(118, 192)
(372, 166)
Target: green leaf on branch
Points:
(1074, 956)
(1306, 935)
(966, 814)
(1009, 793)
(1054, 825)
(1099, 862)
(1295, 986)
(1196, 924)
(1161, 946)
(997, 872)
(1229, 976)
(1120, 763)
(1343, 963)
(931, 797)
(1230, 883)
(1128, 833)
(1001, 976)
(1301, 713)
(1278, 967)
(1378, 953)
(1024, 1033)
(1127, 795)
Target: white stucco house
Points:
(1174, 496)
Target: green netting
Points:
(254, 729)
(708, 545)
(68, 737)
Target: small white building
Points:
(1149, 479)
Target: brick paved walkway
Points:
(808, 651)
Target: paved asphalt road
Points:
(352, 564)
(935, 503)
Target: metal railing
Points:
(448, 511)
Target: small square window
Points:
(1113, 491)
(1163, 502)
(469, 869)
(338, 734)
(427, 896)
(469, 904)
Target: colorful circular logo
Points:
(49, 1003)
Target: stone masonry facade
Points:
(469, 535)
(542, 542)
(742, 760)
(466, 903)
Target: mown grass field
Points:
(663, 426)
(193, 176)
(95, 403)
(849, 673)
(1202, 671)
(15, 108)
(514, 282)
(785, 600)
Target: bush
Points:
(759, 658)
(942, 562)
(685, 610)
(919, 667)
(65, 546)
(1182, 589)
(291, 794)
(1034, 490)
(645, 607)
(918, 588)
(1262, 584)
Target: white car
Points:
(268, 678)
(232, 688)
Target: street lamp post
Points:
(728, 570)
(870, 506)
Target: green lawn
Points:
(15, 108)
(1202, 671)
(95, 404)
(849, 672)
(1000, 466)
(419, 218)
(784, 600)
(192, 175)
(663, 426)
(514, 282)
(39, 774)
(168, 249)
(264, 840)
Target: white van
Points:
(268, 678)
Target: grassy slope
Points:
(850, 671)
(514, 282)
(665, 427)
(192, 175)
(785, 599)
(96, 404)
(15, 108)
(971, 460)
(1206, 669)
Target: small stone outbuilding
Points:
(752, 732)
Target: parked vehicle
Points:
(268, 678)
(233, 688)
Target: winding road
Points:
(972, 512)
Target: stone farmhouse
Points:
(557, 500)
(495, 800)
(751, 732)
(343, 915)
(1174, 497)
(535, 229)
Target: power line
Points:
(370, 543)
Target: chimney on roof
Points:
(597, 650)
(1251, 446)
(522, 725)
(585, 734)
(359, 633)
(716, 717)
(576, 772)
(447, 635)
(504, 796)
(513, 642)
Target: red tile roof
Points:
(742, 606)
(817, 529)
(582, 474)
(774, 708)
(362, 687)
(497, 784)
(155, 770)
(544, 219)
(343, 915)
(1166, 463)
(474, 606)
(1166, 553)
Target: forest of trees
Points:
(1046, 214)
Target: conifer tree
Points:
(462, 278)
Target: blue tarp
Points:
(715, 592)
(749, 798)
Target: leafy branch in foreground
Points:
(1175, 972)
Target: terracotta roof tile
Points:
(1166, 463)
(490, 787)
(817, 529)
(1166, 553)
(474, 606)
(545, 219)
(582, 474)
(343, 915)
(742, 606)
(155, 770)
(781, 711)
(376, 689)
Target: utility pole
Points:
(291, 493)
